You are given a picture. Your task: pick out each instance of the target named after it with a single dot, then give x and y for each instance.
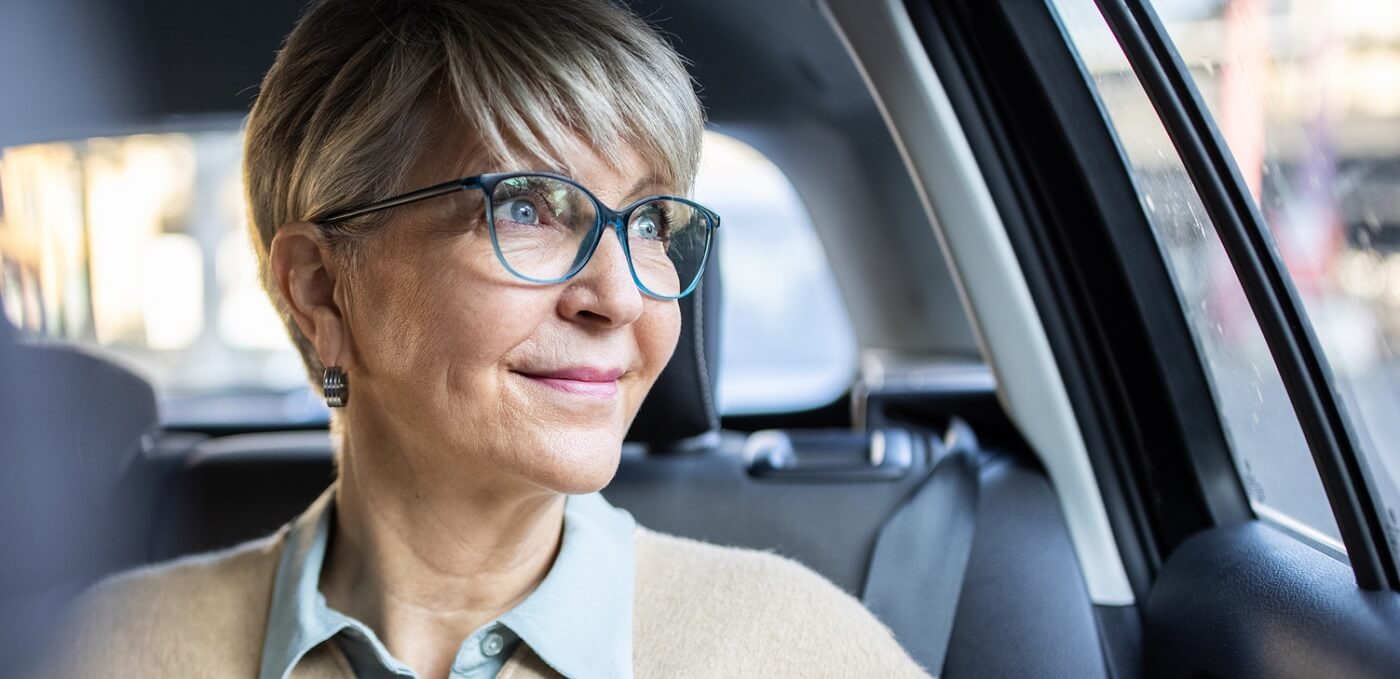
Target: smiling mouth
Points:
(590, 383)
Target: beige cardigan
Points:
(700, 611)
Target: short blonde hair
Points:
(360, 87)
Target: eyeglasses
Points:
(545, 228)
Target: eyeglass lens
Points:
(544, 229)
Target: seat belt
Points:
(920, 558)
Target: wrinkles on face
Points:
(448, 341)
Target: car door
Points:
(1253, 517)
(1284, 594)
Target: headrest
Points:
(682, 403)
(71, 423)
(76, 411)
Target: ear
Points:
(306, 275)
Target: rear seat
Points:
(811, 495)
(1024, 609)
(71, 424)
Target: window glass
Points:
(1307, 95)
(137, 245)
(786, 339)
(1270, 452)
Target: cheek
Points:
(432, 316)
(658, 330)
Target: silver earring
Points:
(336, 385)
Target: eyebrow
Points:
(649, 181)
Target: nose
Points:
(603, 292)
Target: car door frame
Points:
(1250, 246)
(1176, 503)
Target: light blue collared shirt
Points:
(578, 620)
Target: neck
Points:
(425, 565)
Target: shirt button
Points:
(492, 644)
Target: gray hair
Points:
(360, 88)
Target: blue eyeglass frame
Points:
(606, 217)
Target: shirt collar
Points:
(578, 620)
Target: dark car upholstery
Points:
(819, 496)
(72, 425)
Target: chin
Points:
(578, 464)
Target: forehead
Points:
(451, 152)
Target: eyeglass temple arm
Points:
(404, 199)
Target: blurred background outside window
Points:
(1307, 96)
(138, 247)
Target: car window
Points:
(1306, 94)
(143, 254)
(786, 340)
(137, 245)
(1267, 443)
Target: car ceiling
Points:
(771, 73)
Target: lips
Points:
(582, 381)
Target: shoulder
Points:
(767, 612)
(177, 618)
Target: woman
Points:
(485, 343)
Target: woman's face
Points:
(489, 381)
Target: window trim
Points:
(1101, 285)
(1255, 259)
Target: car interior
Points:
(971, 486)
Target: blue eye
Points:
(650, 223)
(519, 210)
